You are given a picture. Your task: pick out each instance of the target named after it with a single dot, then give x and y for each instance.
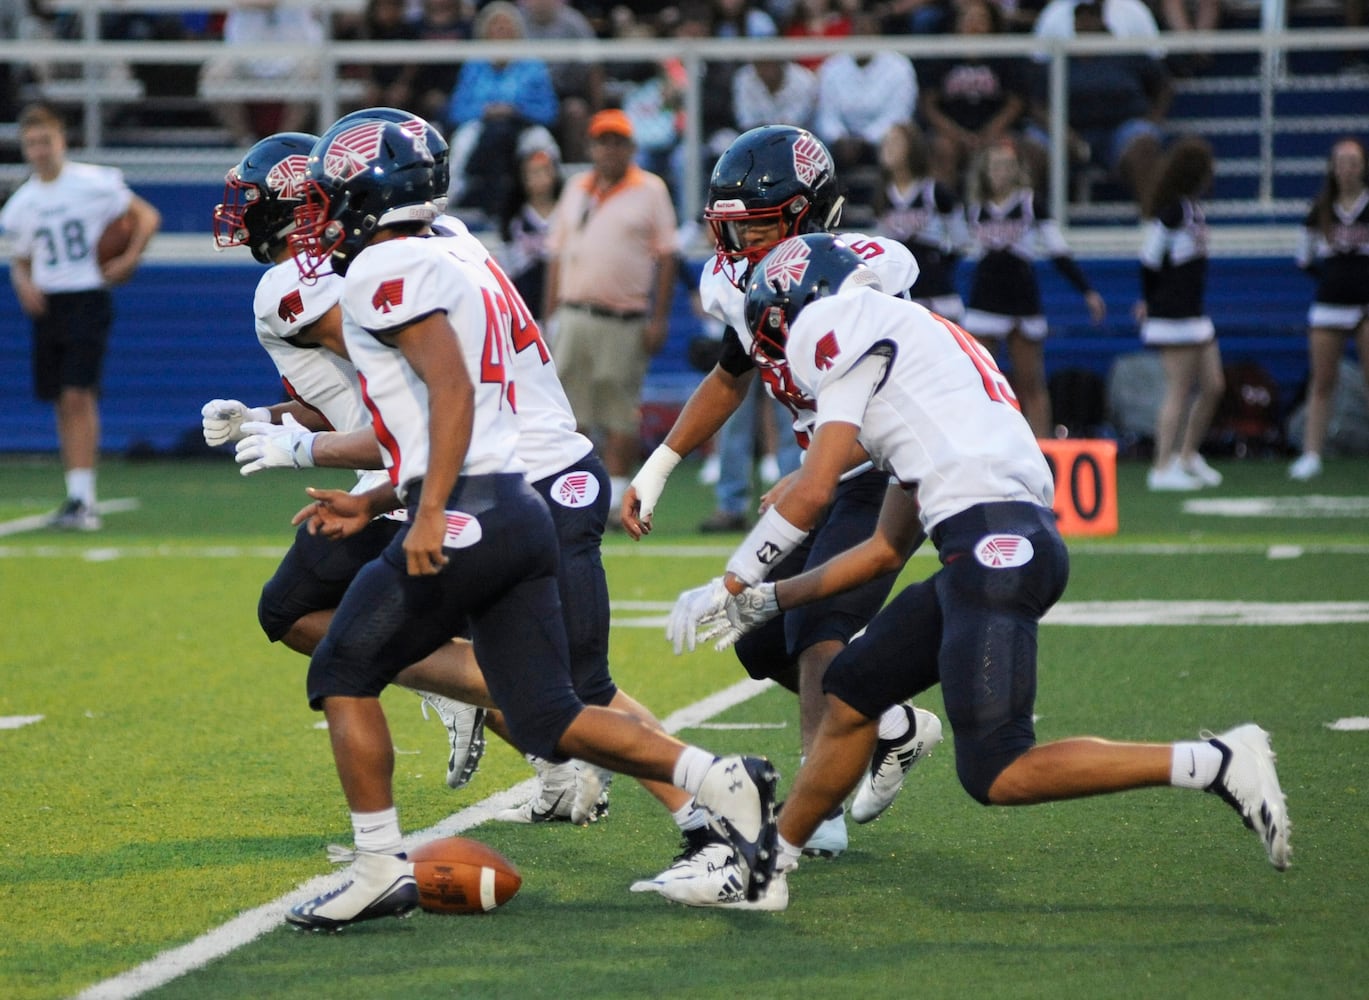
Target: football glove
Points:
(692, 607)
(287, 445)
(223, 420)
(741, 613)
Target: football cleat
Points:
(739, 795)
(704, 852)
(554, 798)
(891, 762)
(382, 885)
(1308, 466)
(465, 732)
(829, 839)
(1249, 784)
(590, 803)
(724, 887)
(1198, 468)
(75, 515)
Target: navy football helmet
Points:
(363, 175)
(795, 273)
(437, 145)
(775, 174)
(261, 193)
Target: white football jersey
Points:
(56, 224)
(548, 441)
(721, 298)
(942, 416)
(396, 283)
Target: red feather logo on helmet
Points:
(811, 160)
(287, 177)
(786, 265)
(353, 150)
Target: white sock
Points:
(1194, 765)
(691, 767)
(689, 817)
(789, 855)
(81, 485)
(377, 832)
(617, 486)
(894, 724)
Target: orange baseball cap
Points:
(612, 121)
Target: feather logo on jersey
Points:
(1003, 551)
(825, 354)
(463, 531)
(575, 489)
(388, 294)
(788, 264)
(811, 160)
(287, 177)
(291, 307)
(353, 150)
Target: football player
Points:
(927, 404)
(771, 183)
(431, 332)
(299, 326)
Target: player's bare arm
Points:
(770, 497)
(31, 299)
(431, 349)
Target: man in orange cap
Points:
(611, 273)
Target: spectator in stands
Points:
(924, 215)
(739, 19)
(524, 254)
(55, 221)
(387, 84)
(917, 17)
(579, 83)
(814, 19)
(1174, 319)
(1011, 232)
(441, 21)
(1335, 250)
(1117, 106)
(261, 22)
(969, 101)
(1123, 18)
(860, 97)
(653, 99)
(495, 101)
(774, 92)
(610, 280)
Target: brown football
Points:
(460, 875)
(114, 240)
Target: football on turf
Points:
(114, 240)
(459, 875)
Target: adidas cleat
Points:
(739, 795)
(725, 888)
(382, 885)
(1248, 783)
(891, 762)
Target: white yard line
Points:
(247, 927)
(37, 522)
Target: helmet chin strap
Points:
(834, 214)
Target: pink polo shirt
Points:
(608, 245)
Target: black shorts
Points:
(69, 342)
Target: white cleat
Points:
(555, 796)
(1172, 479)
(704, 854)
(1198, 468)
(465, 733)
(725, 888)
(1249, 784)
(1308, 466)
(739, 795)
(590, 803)
(382, 885)
(829, 839)
(891, 762)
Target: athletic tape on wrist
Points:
(770, 541)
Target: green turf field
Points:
(177, 780)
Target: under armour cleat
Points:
(739, 795)
(1249, 784)
(725, 888)
(555, 796)
(704, 853)
(465, 732)
(891, 762)
(591, 794)
(382, 885)
(829, 839)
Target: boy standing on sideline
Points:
(56, 219)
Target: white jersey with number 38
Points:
(934, 410)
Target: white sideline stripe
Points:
(34, 522)
(1354, 724)
(18, 721)
(247, 927)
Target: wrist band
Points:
(770, 541)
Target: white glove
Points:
(287, 445)
(223, 419)
(691, 607)
(741, 613)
